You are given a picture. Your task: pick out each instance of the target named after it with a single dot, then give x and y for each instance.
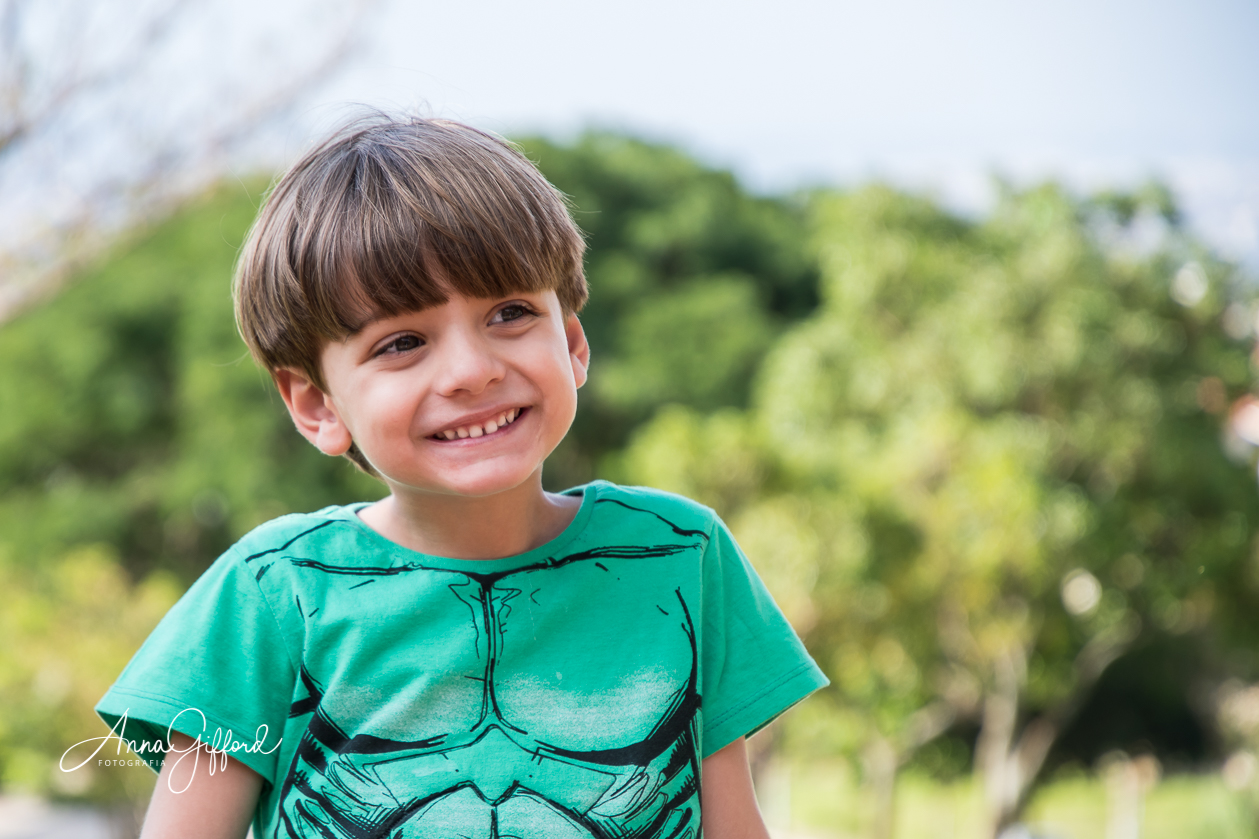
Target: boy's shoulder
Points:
(282, 532)
(677, 510)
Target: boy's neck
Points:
(490, 527)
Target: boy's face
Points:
(467, 398)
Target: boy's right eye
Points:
(401, 344)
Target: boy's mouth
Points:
(481, 429)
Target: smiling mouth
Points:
(482, 429)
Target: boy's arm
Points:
(726, 796)
(206, 806)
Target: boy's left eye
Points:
(513, 311)
(401, 344)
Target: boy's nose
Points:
(467, 363)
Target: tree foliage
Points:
(70, 625)
(989, 464)
(137, 420)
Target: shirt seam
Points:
(724, 716)
(288, 652)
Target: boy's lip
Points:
(478, 418)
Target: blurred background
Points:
(949, 310)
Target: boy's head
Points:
(392, 216)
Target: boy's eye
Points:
(401, 344)
(514, 311)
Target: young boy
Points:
(470, 656)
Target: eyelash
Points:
(392, 346)
(524, 307)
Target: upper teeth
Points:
(488, 427)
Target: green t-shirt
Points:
(570, 691)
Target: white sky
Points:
(932, 95)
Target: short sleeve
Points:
(217, 663)
(754, 666)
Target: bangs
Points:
(398, 239)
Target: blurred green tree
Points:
(987, 465)
(70, 625)
(134, 418)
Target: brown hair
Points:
(390, 216)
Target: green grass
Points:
(827, 801)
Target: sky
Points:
(139, 103)
(934, 96)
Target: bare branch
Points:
(120, 107)
(1021, 765)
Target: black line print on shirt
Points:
(496, 778)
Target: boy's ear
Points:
(578, 348)
(313, 412)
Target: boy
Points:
(470, 656)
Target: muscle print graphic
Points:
(501, 750)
